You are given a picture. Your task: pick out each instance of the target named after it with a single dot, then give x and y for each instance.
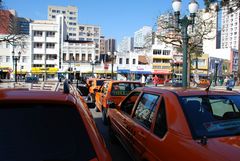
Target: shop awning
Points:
(123, 71)
(161, 72)
(141, 72)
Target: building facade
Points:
(230, 29)
(7, 22)
(142, 37)
(70, 14)
(126, 45)
(23, 25)
(46, 46)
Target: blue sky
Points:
(117, 18)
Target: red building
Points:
(7, 22)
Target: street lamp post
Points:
(112, 57)
(184, 23)
(16, 58)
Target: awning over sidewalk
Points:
(123, 71)
(141, 72)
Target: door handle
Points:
(141, 134)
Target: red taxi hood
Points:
(228, 148)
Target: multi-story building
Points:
(110, 45)
(142, 37)
(77, 57)
(70, 14)
(90, 33)
(7, 22)
(23, 25)
(7, 64)
(126, 45)
(46, 46)
(230, 29)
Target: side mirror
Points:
(112, 105)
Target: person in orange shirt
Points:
(155, 80)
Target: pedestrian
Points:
(155, 80)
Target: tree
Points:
(232, 5)
(203, 29)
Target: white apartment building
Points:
(46, 45)
(126, 45)
(75, 31)
(142, 37)
(230, 29)
(70, 14)
(77, 56)
(90, 33)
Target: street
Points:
(117, 151)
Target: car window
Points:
(145, 109)
(43, 132)
(99, 82)
(160, 127)
(123, 89)
(104, 88)
(212, 116)
(128, 104)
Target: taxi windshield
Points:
(212, 116)
(123, 89)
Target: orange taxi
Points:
(113, 92)
(47, 122)
(94, 85)
(178, 124)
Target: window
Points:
(7, 58)
(37, 45)
(129, 102)
(37, 57)
(127, 60)
(145, 110)
(37, 65)
(120, 60)
(51, 57)
(50, 34)
(64, 56)
(212, 115)
(134, 61)
(160, 127)
(50, 45)
(123, 89)
(83, 57)
(50, 65)
(37, 33)
(1, 58)
(53, 16)
(77, 57)
(24, 59)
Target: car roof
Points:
(180, 91)
(45, 91)
(124, 81)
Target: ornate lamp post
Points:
(183, 23)
(15, 58)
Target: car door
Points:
(121, 119)
(141, 122)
